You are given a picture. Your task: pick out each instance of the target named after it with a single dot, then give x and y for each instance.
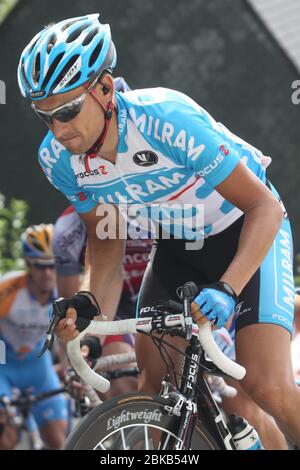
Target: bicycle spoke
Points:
(146, 437)
(138, 437)
(166, 442)
(101, 446)
(123, 440)
(179, 446)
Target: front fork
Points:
(185, 405)
(188, 406)
(210, 413)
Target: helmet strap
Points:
(108, 114)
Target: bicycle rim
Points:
(133, 422)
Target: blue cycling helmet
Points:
(37, 241)
(64, 56)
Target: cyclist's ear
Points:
(107, 85)
(105, 90)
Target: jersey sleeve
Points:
(55, 162)
(197, 141)
(65, 263)
(10, 285)
(69, 244)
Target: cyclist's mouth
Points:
(69, 139)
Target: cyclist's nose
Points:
(61, 130)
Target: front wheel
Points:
(134, 422)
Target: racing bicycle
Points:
(184, 415)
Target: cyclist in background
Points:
(157, 146)
(25, 298)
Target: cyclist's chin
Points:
(75, 145)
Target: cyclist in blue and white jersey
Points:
(151, 148)
(25, 299)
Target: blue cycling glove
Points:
(217, 302)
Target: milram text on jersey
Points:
(170, 150)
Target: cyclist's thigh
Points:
(264, 316)
(54, 408)
(269, 296)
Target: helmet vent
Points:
(51, 43)
(75, 78)
(52, 69)
(69, 23)
(36, 244)
(95, 53)
(47, 237)
(65, 70)
(37, 68)
(90, 37)
(24, 74)
(32, 46)
(75, 34)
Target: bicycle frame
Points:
(194, 400)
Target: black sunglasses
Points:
(66, 112)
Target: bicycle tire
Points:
(110, 421)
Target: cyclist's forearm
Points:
(106, 258)
(112, 298)
(67, 286)
(260, 227)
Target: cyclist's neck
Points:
(109, 148)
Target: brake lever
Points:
(169, 306)
(59, 308)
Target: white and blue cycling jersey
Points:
(170, 151)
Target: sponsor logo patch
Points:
(145, 158)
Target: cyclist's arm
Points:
(263, 216)
(211, 154)
(106, 258)
(112, 294)
(67, 285)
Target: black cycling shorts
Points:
(267, 298)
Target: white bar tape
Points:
(226, 365)
(77, 360)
